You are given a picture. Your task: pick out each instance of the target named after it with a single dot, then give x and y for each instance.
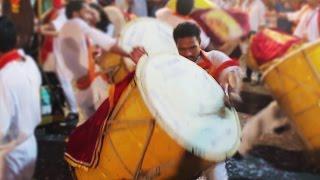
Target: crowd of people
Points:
(76, 32)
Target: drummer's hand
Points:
(233, 85)
(137, 53)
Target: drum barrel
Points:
(294, 80)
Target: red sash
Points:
(9, 57)
(47, 46)
(215, 72)
(85, 82)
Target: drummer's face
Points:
(189, 47)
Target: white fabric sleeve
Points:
(6, 110)
(60, 20)
(217, 58)
(262, 15)
(98, 37)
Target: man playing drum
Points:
(221, 67)
(76, 41)
(49, 52)
(226, 71)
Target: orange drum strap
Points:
(85, 81)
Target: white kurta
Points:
(217, 58)
(72, 47)
(20, 83)
(308, 26)
(166, 15)
(59, 65)
(256, 12)
(296, 15)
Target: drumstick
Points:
(228, 101)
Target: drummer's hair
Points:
(184, 7)
(73, 6)
(104, 20)
(8, 35)
(186, 29)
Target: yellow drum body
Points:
(112, 64)
(251, 62)
(135, 146)
(295, 82)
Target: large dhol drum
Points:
(155, 36)
(170, 123)
(295, 82)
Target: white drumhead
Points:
(152, 34)
(188, 103)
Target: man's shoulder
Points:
(214, 54)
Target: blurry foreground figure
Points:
(20, 82)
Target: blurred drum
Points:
(268, 45)
(294, 80)
(170, 122)
(221, 26)
(155, 36)
(113, 66)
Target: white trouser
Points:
(91, 98)
(68, 91)
(216, 172)
(51, 64)
(19, 164)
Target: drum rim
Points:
(182, 142)
(281, 60)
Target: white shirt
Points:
(72, 46)
(58, 24)
(19, 115)
(256, 12)
(217, 58)
(60, 20)
(166, 15)
(308, 26)
(297, 15)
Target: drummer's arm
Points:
(108, 43)
(227, 71)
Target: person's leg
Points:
(220, 172)
(216, 172)
(68, 92)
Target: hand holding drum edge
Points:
(137, 53)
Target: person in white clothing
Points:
(225, 71)
(183, 10)
(256, 10)
(76, 41)
(20, 82)
(52, 29)
(308, 26)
